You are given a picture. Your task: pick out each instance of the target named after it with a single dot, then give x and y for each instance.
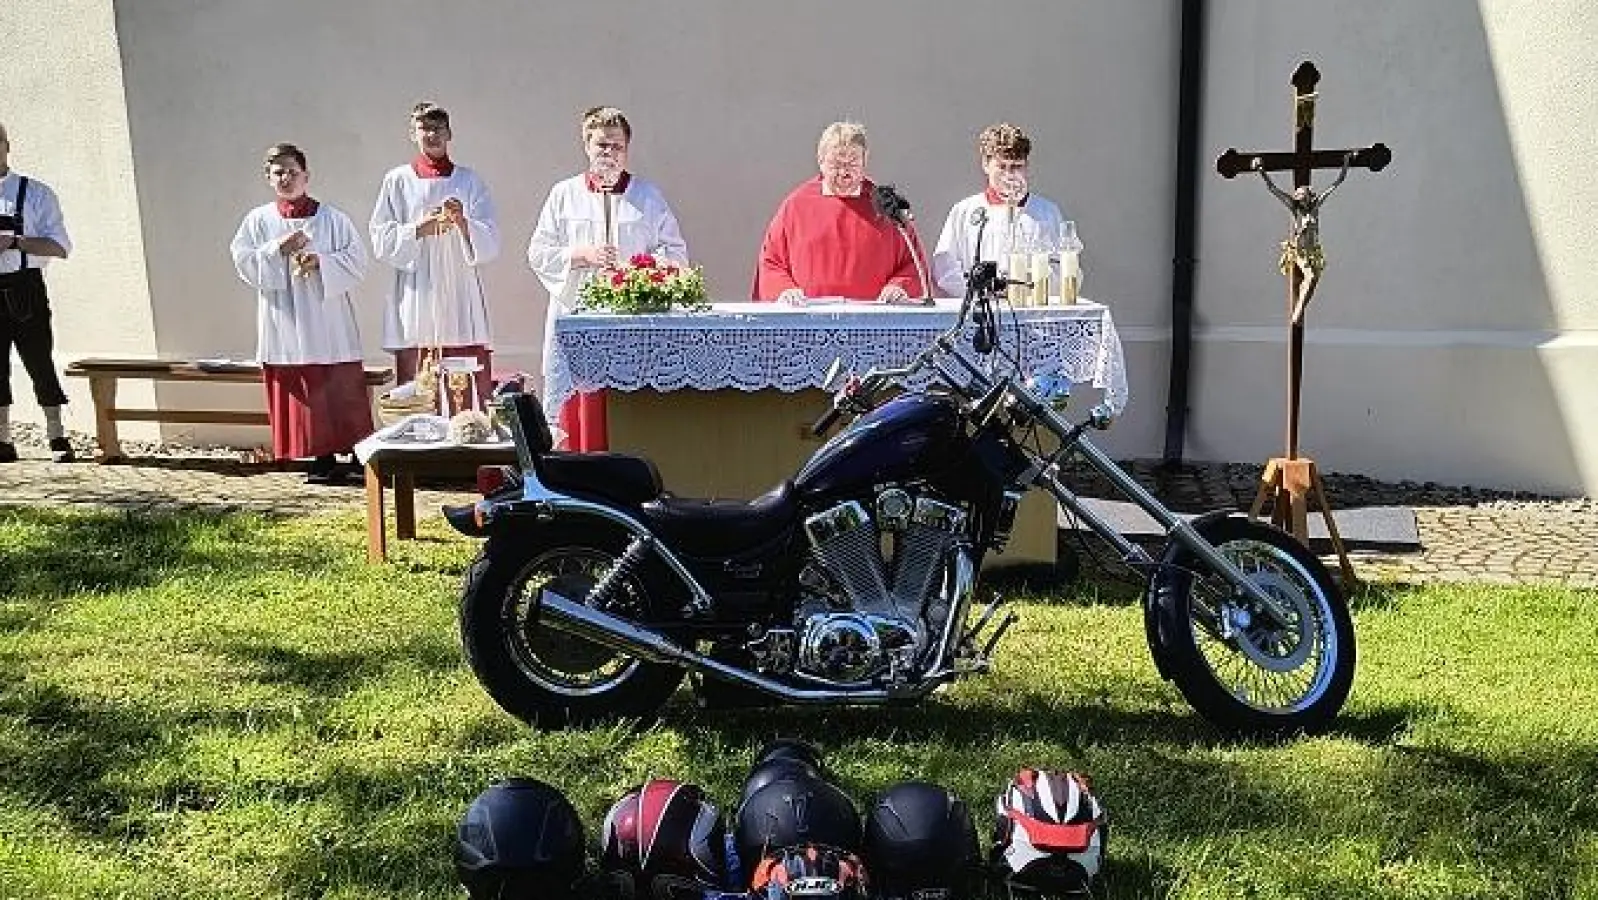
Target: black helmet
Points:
(793, 811)
(783, 758)
(520, 838)
(920, 844)
(809, 872)
(664, 841)
(1049, 833)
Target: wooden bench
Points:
(103, 375)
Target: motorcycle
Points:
(854, 582)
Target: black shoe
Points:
(322, 469)
(61, 450)
(8, 452)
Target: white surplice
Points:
(435, 297)
(302, 320)
(574, 216)
(1037, 223)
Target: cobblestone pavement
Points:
(1466, 535)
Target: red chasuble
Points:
(833, 247)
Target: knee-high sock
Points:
(52, 423)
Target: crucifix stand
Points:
(1290, 481)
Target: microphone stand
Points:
(915, 257)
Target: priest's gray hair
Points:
(4, 134)
(840, 134)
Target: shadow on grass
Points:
(60, 553)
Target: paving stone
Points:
(1466, 534)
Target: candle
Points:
(1040, 279)
(1070, 276)
(1017, 293)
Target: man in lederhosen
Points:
(31, 231)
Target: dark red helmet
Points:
(920, 844)
(809, 872)
(519, 839)
(664, 841)
(1049, 833)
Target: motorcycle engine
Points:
(862, 605)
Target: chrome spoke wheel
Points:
(556, 661)
(1269, 665)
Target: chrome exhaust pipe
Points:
(618, 634)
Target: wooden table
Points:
(398, 468)
(103, 375)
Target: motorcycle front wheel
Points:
(1243, 668)
(542, 675)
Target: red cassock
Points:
(316, 409)
(830, 246)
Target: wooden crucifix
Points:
(1291, 479)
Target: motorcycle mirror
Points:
(830, 380)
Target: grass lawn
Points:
(236, 707)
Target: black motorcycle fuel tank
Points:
(911, 437)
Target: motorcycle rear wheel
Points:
(535, 672)
(1235, 666)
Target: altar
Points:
(723, 401)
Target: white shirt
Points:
(302, 320)
(435, 297)
(574, 216)
(41, 218)
(1036, 223)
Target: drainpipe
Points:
(1190, 76)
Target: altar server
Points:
(303, 258)
(434, 224)
(828, 240)
(576, 239)
(1015, 217)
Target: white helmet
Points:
(1049, 834)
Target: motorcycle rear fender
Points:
(535, 502)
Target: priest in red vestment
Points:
(828, 240)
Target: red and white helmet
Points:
(663, 841)
(1049, 833)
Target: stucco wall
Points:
(1453, 336)
(726, 98)
(61, 99)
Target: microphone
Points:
(887, 201)
(892, 205)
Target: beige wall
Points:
(62, 101)
(1453, 338)
(726, 97)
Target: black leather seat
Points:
(715, 527)
(618, 477)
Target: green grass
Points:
(238, 707)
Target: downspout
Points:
(1190, 77)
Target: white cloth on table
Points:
(436, 297)
(302, 320)
(755, 346)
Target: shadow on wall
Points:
(1422, 357)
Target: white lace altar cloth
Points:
(755, 346)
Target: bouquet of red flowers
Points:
(645, 286)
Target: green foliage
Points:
(226, 707)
